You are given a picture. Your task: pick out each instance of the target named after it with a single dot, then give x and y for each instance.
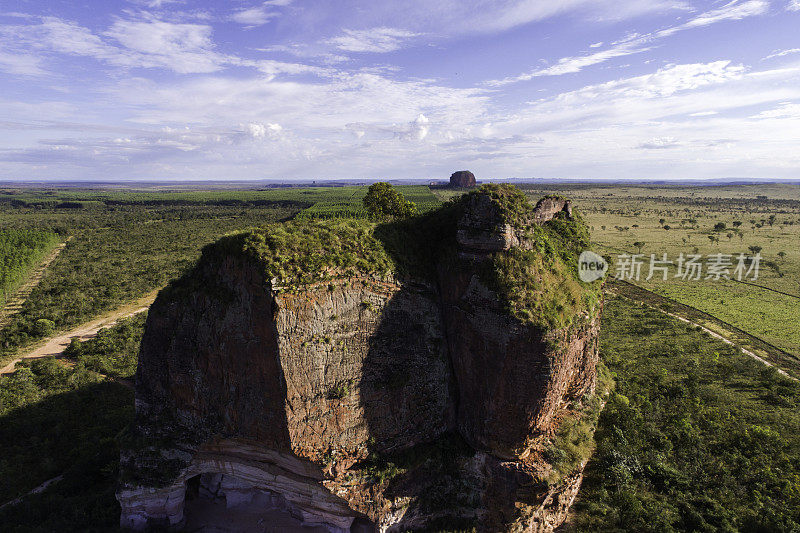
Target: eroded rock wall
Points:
(305, 390)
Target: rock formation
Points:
(408, 375)
(462, 179)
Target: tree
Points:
(781, 255)
(755, 250)
(719, 226)
(737, 223)
(639, 245)
(383, 201)
(661, 221)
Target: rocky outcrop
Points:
(363, 400)
(462, 179)
(550, 206)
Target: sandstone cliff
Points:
(409, 375)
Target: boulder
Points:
(462, 179)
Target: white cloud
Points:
(781, 53)
(784, 110)
(659, 143)
(254, 16)
(636, 43)
(417, 129)
(596, 45)
(184, 48)
(264, 131)
(156, 4)
(704, 114)
(20, 64)
(144, 42)
(794, 5)
(571, 65)
(377, 40)
(734, 10)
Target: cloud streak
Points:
(374, 40)
(636, 43)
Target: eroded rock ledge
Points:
(411, 375)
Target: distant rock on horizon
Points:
(462, 179)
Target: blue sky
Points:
(283, 89)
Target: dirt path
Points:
(56, 345)
(37, 490)
(712, 333)
(14, 303)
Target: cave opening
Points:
(225, 503)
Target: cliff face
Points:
(390, 397)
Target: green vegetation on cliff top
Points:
(537, 283)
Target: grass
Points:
(538, 286)
(696, 437)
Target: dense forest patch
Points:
(20, 252)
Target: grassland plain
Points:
(696, 437)
(679, 219)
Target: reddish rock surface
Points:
(462, 179)
(357, 402)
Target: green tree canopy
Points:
(383, 200)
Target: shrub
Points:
(383, 201)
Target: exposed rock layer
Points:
(303, 391)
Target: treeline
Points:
(20, 251)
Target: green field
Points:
(698, 436)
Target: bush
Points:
(43, 327)
(383, 201)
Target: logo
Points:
(591, 266)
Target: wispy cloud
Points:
(570, 65)
(794, 5)
(256, 15)
(659, 143)
(21, 64)
(784, 110)
(781, 53)
(142, 42)
(376, 40)
(636, 43)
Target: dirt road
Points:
(56, 345)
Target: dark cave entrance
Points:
(225, 503)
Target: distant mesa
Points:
(462, 179)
